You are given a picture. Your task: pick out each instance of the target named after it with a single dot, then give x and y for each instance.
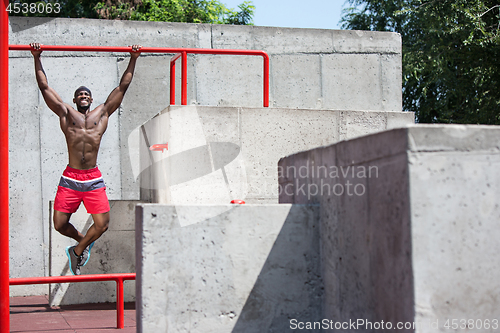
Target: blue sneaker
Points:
(86, 254)
(74, 260)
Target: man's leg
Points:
(62, 225)
(101, 222)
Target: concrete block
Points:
(229, 80)
(254, 139)
(391, 81)
(356, 73)
(268, 136)
(297, 78)
(399, 119)
(23, 100)
(271, 39)
(25, 212)
(359, 123)
(114, 252)
(453, 138)
(249, 269)
(356, 41)
(416, 243)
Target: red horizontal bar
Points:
(117, 277)
(127, 49)
(71, 278)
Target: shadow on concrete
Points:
(32, 22)
(190, 164)
(289, 285)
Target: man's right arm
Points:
(51, 97)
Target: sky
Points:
(319, 14)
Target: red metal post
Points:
(266, 79)
(172, 77)
(172, 82)
(120, 307)
(184, 79)
(4, 168)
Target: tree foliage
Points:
(189, 11)
(451, 71)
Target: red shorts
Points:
(76, 186)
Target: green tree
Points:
(190, 11)
(451, 48)
(193, 11)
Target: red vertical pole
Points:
(172, 82)
(266, 81)
(4, 168)
(120, 307)
(184, 78)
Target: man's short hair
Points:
(83, 88)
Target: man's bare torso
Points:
(83, 129)
(83, 135)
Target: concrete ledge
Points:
(248, 269)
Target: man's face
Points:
(82, 99)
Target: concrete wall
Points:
(216, 154)
(415, 240)
(249, 269)
(314, 69)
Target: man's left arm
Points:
(115, 98)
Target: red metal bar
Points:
(266, 80)
(4, 168)
(184, 79)
(172, 77)
(173, 50)
(117, 277)
(120, 307)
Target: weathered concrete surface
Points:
(415, 239)
(306, 68)
(249, 269)
(218, 154)
(114, 252)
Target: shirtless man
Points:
(82, 180)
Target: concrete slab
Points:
(251, 268)
(297, 79)
(215, 85)
(415, 239)
(248, 142)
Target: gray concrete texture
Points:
(249, 269)
(415, 239)
(216, 154)
(114, 252)
(307, 67)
